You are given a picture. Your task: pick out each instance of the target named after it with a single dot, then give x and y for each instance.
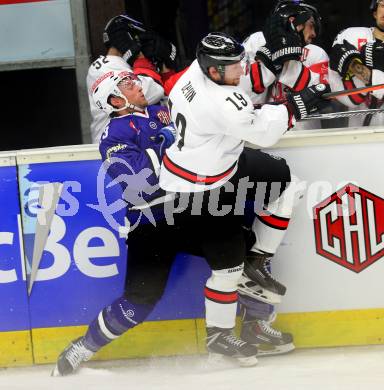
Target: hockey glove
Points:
(158, 50)
(121, 39)
(283, 41)
(264, 55)
(165, 137)
(373, 54)
(342, 56)
(303, 103)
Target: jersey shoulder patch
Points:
(161, 114)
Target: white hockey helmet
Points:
(108, 85)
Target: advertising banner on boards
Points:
(14, 314)
(81, 256)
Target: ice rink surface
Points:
(349, 368)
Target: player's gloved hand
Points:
(342, 56)
(283, 41)
(158, 50)
(373, 55)
(165, 137)
(121, 39)
(264, 55)
(303, 103)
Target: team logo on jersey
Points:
(348, 228)
(274, 156)
(114, 149)
(361, 42)
(164, 117)
(153, 125)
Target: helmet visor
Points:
(128, 82)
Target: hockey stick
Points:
(354, 91)
(344, 114)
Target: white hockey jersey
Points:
(152, 90)
(213, 121)
(358, 37)
(296, 75)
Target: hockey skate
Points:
(257, 282)
(223, 343)
(71, 358)
(269, 341)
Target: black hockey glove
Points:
(264, 55)
(283, 41)
(342, 56)
(120, 38)
(158, 50)
(373, 54)
(303, 103)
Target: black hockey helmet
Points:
(218, 49)
(301, 10)
(124, 23)
(374, 4)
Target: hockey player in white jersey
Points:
(214, 117)
(125, 52)
(357, 60)
(298, 71)
(270, 80)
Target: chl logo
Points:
(349, 228)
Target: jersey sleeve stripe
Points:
(355, 99)
(192, 176)
(303, 80)
(257, 78)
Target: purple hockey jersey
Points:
(133, 157)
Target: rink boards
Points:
(55, 280)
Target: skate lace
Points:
(77, 354)
(232, 339)
(267, 328)
(266, 265)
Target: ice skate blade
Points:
(278, 350)
(258, 292)
(261, 295)
(216, 359)
(247, 361)
(55, 372)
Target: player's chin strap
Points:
(221, 70)
(128, 106)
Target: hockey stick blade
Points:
(354, 91)
(344, 114)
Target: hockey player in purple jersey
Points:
(132, 145)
